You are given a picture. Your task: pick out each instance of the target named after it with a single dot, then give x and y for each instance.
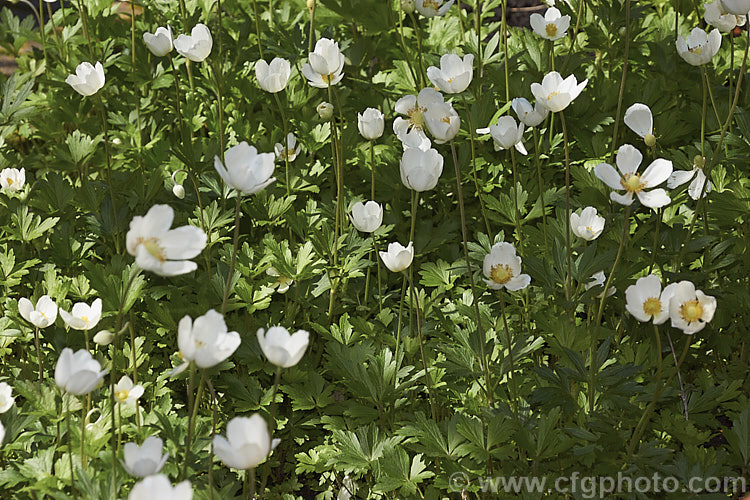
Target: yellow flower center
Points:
(552, 94)
(590, 229)
(696, 50)
(433, 4)
(692, 310)
(122, 395)
(86, 319)
(416, 117)
(652, 306)
(650, 140)
(501, 274)
(328, 78)
(632, 183)
(551, 30)
(9, 181)
(446, 119)
(152, 247)
(282, 280)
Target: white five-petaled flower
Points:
(196, 46)
(126, 392)
(247, 444)
(282, 283)
(145, 460)
(738, 7)
(158, 486)
(371, 124)
(502, 268)
(41, 315)
(282, 348)
(589, 225)
(420, 170)
(289, 151)
(273, 77)
(326, 64)
(599, 279)
(530, 116)
(646, 300)
(442, 121)
(160, 42)
(410, 130)
(639, 119)
(690, 309)
(507, 134)
(12, 179)
(367, 217)
(552, 26)
(205, 341)
(246, 171)
(432, 8)
(556, 94)
(454, 74)
(78, 373)
(6, 398)
(398, 257)
(83, 316)
(88, 78)
(700, 47)
(162, 250)
(718, 17)
(696, 188)
(634, 183)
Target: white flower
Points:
(408, 6)
(506, 134)
(281, 348)
(159, 487)
(88, 79)
(6, 398)
(420, 170)
(599, 279)
(196, 46)
(162, 250)
(273, 77)
(326, 64)
(552, 26)
(589, 225)
(531, 117)
(398, 257)
(690, 309)
(695, 189)
(556, 94)
(699, 48)
(126, 392)
(432, 8)
(639, 119)
(78, 373)
(12, 179)
(738, 7)
(454, 74)
(371, 123)
(145, 460)
(325, 110)
(628, 160)
(367, 217)
(178, 191)
(42, 315)
(410, 131)
(718, 17)
(247, 443)
(83, 316)
(288, 152)
(159, 43)
(206, 341)
(502, 268)
(103, 337)
(646, 301)
(246, 171)
(442, 121)
(282, 283)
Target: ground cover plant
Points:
(374, 249)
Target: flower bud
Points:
(699, 161)
(310, 4)
(104, 337)
(325, 110)
(178, 191)
(408, 6)
(650, 140)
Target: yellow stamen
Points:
(501, 274)
(416, 117)
(691, 311)
(652, 306)
(632, 183)
(328, 78)
(122, 395)
(551, 30)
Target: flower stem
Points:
(109, 171)
(193, 406)
(683, 396)
(537, 146)
(504, 30)
(271, 427)
(478, 29)
(480, 331)
(509, 339)
(284, 142)
(217, 79)
(428, 381)
(135, 370)
(372, 170)
(400, 28)
(398, 326)
(38, 353)
(418, 30)
(474, 167)
(377, 259)
(515, 201)
(235, 244)
(213, 433)
(567, 207)
(70, 445)
(622, 80)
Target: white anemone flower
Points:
(552, 26)
(162, 250)
(507, 134)
(718, 17)
(196, 46)
(83, 316)
(410, 130)
(367, 217)
(247, 444)
(273, 77)
(282, 348)
(640, 120)
(690, 309)
(556, 94)
(442, 121)
(145, 460)
(420, 170)
(646, 301)
(282, 283)
(589, 225)
(78, 373)
(41, 315)
(432, 8)
(326, 64)
(502, 268)
(160, 42)
(599, 279)
(246, 171)
(700, 47)
(88, 78)
(634, 183)
(205, 341)
(371, 124)
(696, 188)
(738, 7)
(158, 486)
(454, 74)
(12, 179)
(398, 257)
(126, 392)
(530, 116)
(6, 397)
(289, 151)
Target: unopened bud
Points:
(325, 110)
(178, 191)
(650, 140)
(310, 4)
(408, 6)
(699, 161)
(104, 337)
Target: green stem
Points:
(622, 80)
(217, 79)
(568, 249)
(504, 30)
(428, 381)
(70, 445)
(193, 406)
(235, 245)
(311, 35)
(372, 170)
(38, 353)
(271, 428)
(537, 146)
(515, 201)
(257, 28)
(377, 259)
(284, 140)
(509, 339)
(418, 30)
(478, 29)
(474, 166)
